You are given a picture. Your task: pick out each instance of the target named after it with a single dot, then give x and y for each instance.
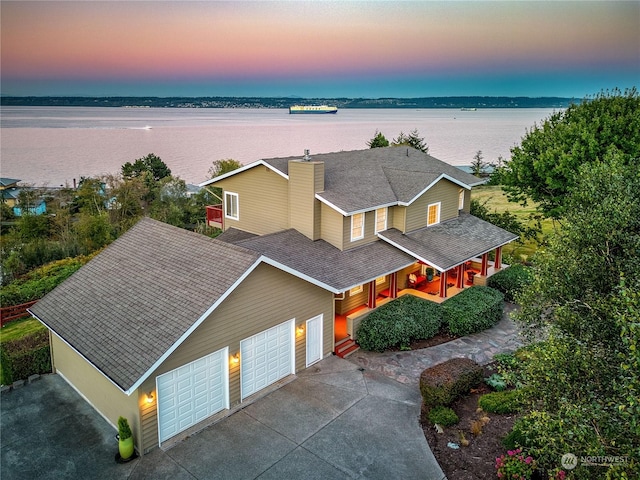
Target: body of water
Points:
(53, 145)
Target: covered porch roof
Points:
(450, 243)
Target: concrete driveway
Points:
(334, 421)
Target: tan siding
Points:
(445, 192)
(369, 229)
(467, 201)
(105, 397)
(331, 226)
(267, 297)
(262, 200)
(352, 301)
(398, 218)
(305, 179)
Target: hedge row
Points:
(398, 323)
(25, 356)
(410, 318)
(473, 310)
(510, 281)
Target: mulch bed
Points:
(477, 460)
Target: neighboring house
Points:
(11, 196)
(170, 328)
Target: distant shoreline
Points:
(459, 102)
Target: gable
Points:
(138, 298)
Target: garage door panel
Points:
(266, 358)
(192, 393)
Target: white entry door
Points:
(191, 393)
(266, 357)
(314, 340)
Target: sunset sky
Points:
(319, 49)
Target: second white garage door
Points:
(191, 393)
(266, 357)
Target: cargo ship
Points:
(312, 109)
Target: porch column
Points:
(443, 285)
(393, 285)
(485, 264)
(371, 298)
(460, 276)
(497, 263)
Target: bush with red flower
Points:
(514, 465)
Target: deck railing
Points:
(214, 216)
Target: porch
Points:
(438, 289)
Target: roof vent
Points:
(306, 155)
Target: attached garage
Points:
(267, 357)
(191, 393)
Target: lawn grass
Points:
(496, 200)
(19, 329)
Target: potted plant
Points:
(125, 439)
(429, 272)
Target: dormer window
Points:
(461, 199)
(231, 206)
(357, 226)
(433, 214)
(381, 219)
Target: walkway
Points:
(406, 366)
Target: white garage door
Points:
(266, 357)
(191, 393)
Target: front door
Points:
(314, 340)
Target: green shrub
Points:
(516, 437)
(398, 323)
(443, 383)
(26, 356)
(124, 431)
(37, 283)
(443, 416)
(508, 401)
(496, 382)
(473, 310)
(510, 281)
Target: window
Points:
(433, 214)
(355, 290)
(380, 280)
(231, 205)
(357, 226)
(381, 219)
(461, 199)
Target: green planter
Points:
(125, 439)
(125, 447)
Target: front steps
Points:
(346, 347)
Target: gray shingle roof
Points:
(130, 304)
(452, 242)
(364, 179)
(340, 270)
